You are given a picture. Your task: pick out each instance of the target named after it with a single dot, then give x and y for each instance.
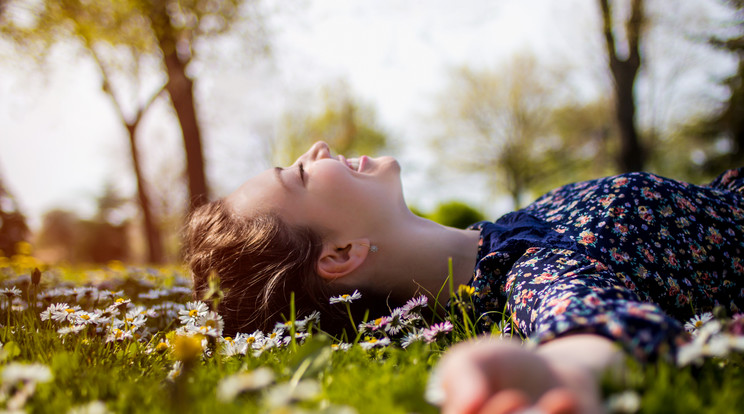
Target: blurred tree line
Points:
(522, 125)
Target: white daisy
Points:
(255, 340)
(119, 303)
(697, 321)
(116, 334)
(372, 342)
(343, 346)
(86, 318)
(411, 337)
(16, 372)
(313, 318)
(153, 294)
(67, 314)
(284, 394)
(175, 371)
(52, 309)
(234, 385)
(192, 312)
(65, 330)
(142, 310)
(396, 322)
(11, 292)
(180, 290)
(209, 324)
(231, 347)
(85, 293)
(345, 298)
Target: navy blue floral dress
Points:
(627, 257)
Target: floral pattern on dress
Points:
(627, 257)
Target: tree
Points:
(624, 70)
(64, 237)
(166, 30)
(13, 228)
(588, 133)
(725, 128)
(349, 127)
(120, 36)
(455, 214)
(153, 235)
(499, 123)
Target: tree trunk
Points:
(632, 154)
(155, 253)
(181, 91)
(152, 233)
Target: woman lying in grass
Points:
(589, 266)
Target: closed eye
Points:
(302, 173)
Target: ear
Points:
(340, 259)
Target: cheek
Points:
(332, 182)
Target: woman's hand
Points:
(497, 376)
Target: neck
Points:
(414, 258)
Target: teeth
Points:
(353, 163)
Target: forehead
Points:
(261, 193)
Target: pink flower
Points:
(436, 331)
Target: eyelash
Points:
(302, 173)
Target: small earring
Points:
(372, 248)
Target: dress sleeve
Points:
(556, 292)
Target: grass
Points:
(166, 368)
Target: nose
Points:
(319, 150)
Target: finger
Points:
(465, 389)
(505, 402)
(559, 401)
(464, 383)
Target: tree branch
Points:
(143, 109)
(607, 26)
(633, 29)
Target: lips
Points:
(355, 164)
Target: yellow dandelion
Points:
(187, 348)
(465, 291)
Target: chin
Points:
(389, 163)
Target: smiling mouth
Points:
(354, 164)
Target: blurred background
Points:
(119, 116)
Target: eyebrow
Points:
(278, 175)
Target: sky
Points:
(61, 140)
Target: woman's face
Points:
(331, 195)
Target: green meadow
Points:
(131, 339)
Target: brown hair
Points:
(260, 260)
